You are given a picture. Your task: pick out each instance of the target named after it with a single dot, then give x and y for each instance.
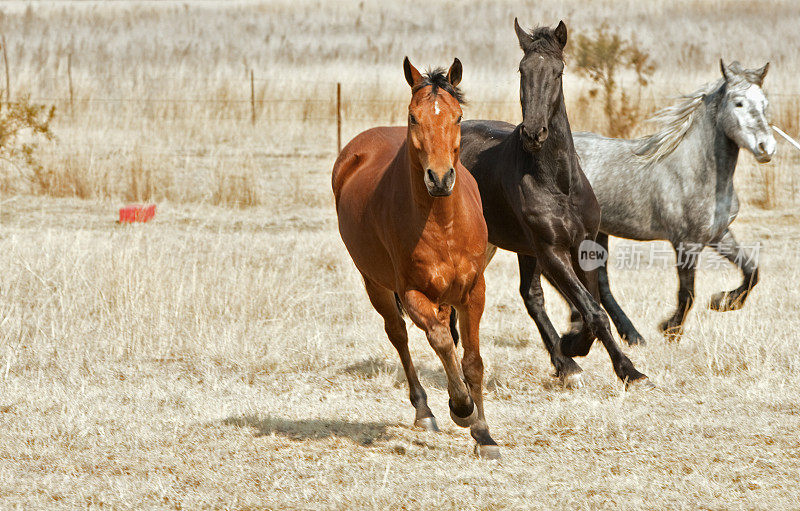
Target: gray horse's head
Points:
(540, 80)
(743, 113)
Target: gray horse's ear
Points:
(525, 40)
(454, 73)
(723, 69)
(762, 73)
(561, 34)
(413, 76)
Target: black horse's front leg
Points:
(530, 287)
(686, 264)
(747, 262)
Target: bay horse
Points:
(410, 216)
(677, 185)
(538, 203)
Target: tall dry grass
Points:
(179, 102)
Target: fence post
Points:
(8, 78)
(69, 76)
(252, 99)
(338, 117)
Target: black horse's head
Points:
(540, 80)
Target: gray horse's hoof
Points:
(639, 385)
(487, 452)
(465, 422)
(724, 302)
(427, 424)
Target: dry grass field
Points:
(225, 355)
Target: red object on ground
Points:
(137, 213)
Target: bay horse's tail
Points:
(453, 318)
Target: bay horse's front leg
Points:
(686, 256)
(384, 302)
(557, 266)
(530, 288)
(472, 364)
(746, 260)
(434, 321)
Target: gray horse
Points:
(677, 185)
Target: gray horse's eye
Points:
(739, 104)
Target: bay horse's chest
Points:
(443, 271)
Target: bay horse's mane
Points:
(437, 79)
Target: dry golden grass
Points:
(220, 357)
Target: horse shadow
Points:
(363, 433)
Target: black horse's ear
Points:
(413, 76)
(454, 73)
(525, 40)
(561, 34)
(762, 73)
(723, 69)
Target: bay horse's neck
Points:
(440, 209)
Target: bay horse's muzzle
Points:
(440, 187)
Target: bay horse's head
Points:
(540, 80)
(743, 113)
(434, 124)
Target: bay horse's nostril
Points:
(432, 177)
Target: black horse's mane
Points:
(437, 79)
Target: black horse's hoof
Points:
(671, 330)
(487, 452)
(634, 339)
(642, 384)
(726, 301)
(569, 374)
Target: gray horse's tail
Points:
(453, 318)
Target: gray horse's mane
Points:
(676, 121)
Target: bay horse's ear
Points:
(723, 69)
(561, 34)
(413, 76)
(523, 37)
(762, 73)
(454, 73)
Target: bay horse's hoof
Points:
(725, 301)
(640, 385)
(467, 421)
(427, 424)
(487, 452)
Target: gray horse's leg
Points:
(687, 255)
(621, 321)
(530, 287)
(743, 258)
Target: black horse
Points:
(538, 203)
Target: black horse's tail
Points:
(453, 318)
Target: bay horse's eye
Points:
(412, 119)
(458, 121)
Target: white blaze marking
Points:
(436, 107)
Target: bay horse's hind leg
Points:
(746, 260)
(686, 264)
(472, 365)
(530, 288)
(384, 302)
